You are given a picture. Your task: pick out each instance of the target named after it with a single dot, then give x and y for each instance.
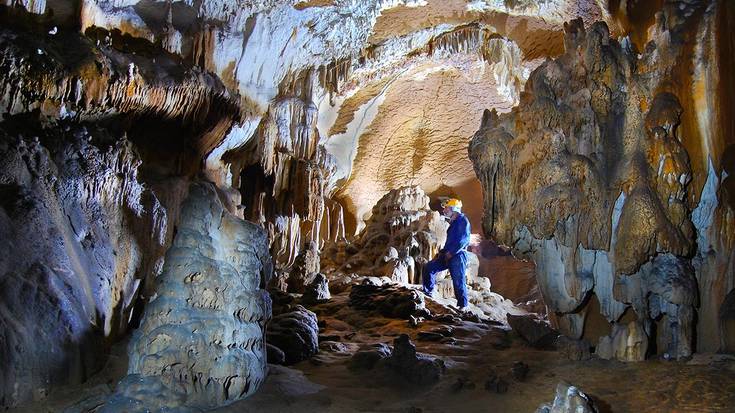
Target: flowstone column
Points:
(201, 342)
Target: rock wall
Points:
(203, 334)
(600, 176)
(402, 234)
(81, 234)
(90, 195)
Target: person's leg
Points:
(429, 274)
(457, 267)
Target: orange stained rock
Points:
(420, 136)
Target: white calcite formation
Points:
(202, 336)
(568, 399)
(401, 236)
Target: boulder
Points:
(296, 333)
(568, 399)
(367, 358)
(415, 367)
(536, 332)
(317, 291)
(388, 300)
(275, 354)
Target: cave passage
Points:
(232, 205)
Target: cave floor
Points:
(326, 384)
(706, 383)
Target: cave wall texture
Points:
(304, 113)
(613, 174)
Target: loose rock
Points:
(295, 333)
(317, 291)
(416, 368)
(536, 333)
(496, 384)
(520, 370)
(388, 300)
(569, 399)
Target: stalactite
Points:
(592, 176)
(110, 84)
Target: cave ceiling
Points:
(367, 59)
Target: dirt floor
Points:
(705, 383)
(325, 384)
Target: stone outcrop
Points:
(317, 291)
(402, 234)
(295, 333)
(402, 360)
(568, 399)
(599, 177)
(536, 332)
(388, 300)
(83, 237)
(203, 335)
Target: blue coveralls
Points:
(458, 238)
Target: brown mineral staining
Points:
(305, 4)
(593, 158)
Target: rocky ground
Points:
(484, 366)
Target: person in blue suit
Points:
(454, 254)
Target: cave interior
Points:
(231, 205)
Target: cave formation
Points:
(229, 204)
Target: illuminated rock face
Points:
(402, 235)
(81, 236)
(597, 176)
(203, 333)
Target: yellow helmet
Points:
(452, 203)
